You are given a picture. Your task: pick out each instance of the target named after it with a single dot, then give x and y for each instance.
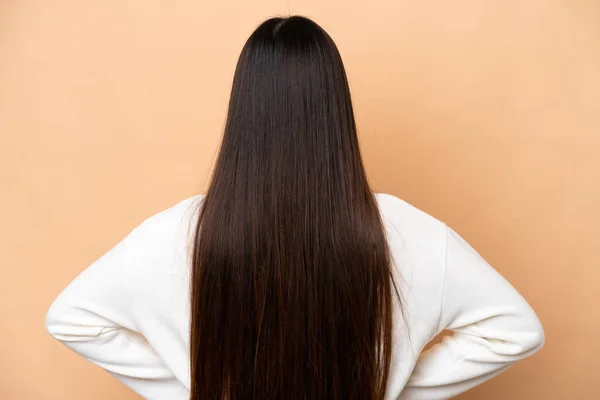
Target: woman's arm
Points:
(95, 316)
(493, 328)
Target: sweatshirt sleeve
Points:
(95, 317)
(493, 327)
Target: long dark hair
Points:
(291, 281)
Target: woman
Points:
(290, 279)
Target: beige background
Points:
(483, 113)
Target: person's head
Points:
(291, 284)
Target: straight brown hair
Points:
(291, 281)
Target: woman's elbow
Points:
(533, 335)
(521, 335)
(539, 336)
(53, 321)
(71, 323)
(65, 325)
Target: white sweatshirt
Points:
(128, 312)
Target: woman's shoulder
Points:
(410, 219)
(175, 213)
(402, 219)
(398, 214)
(170, 220)
(416, 238)
(417, 241)
(165, 234)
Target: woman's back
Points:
(289, 279)
(129, 311)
